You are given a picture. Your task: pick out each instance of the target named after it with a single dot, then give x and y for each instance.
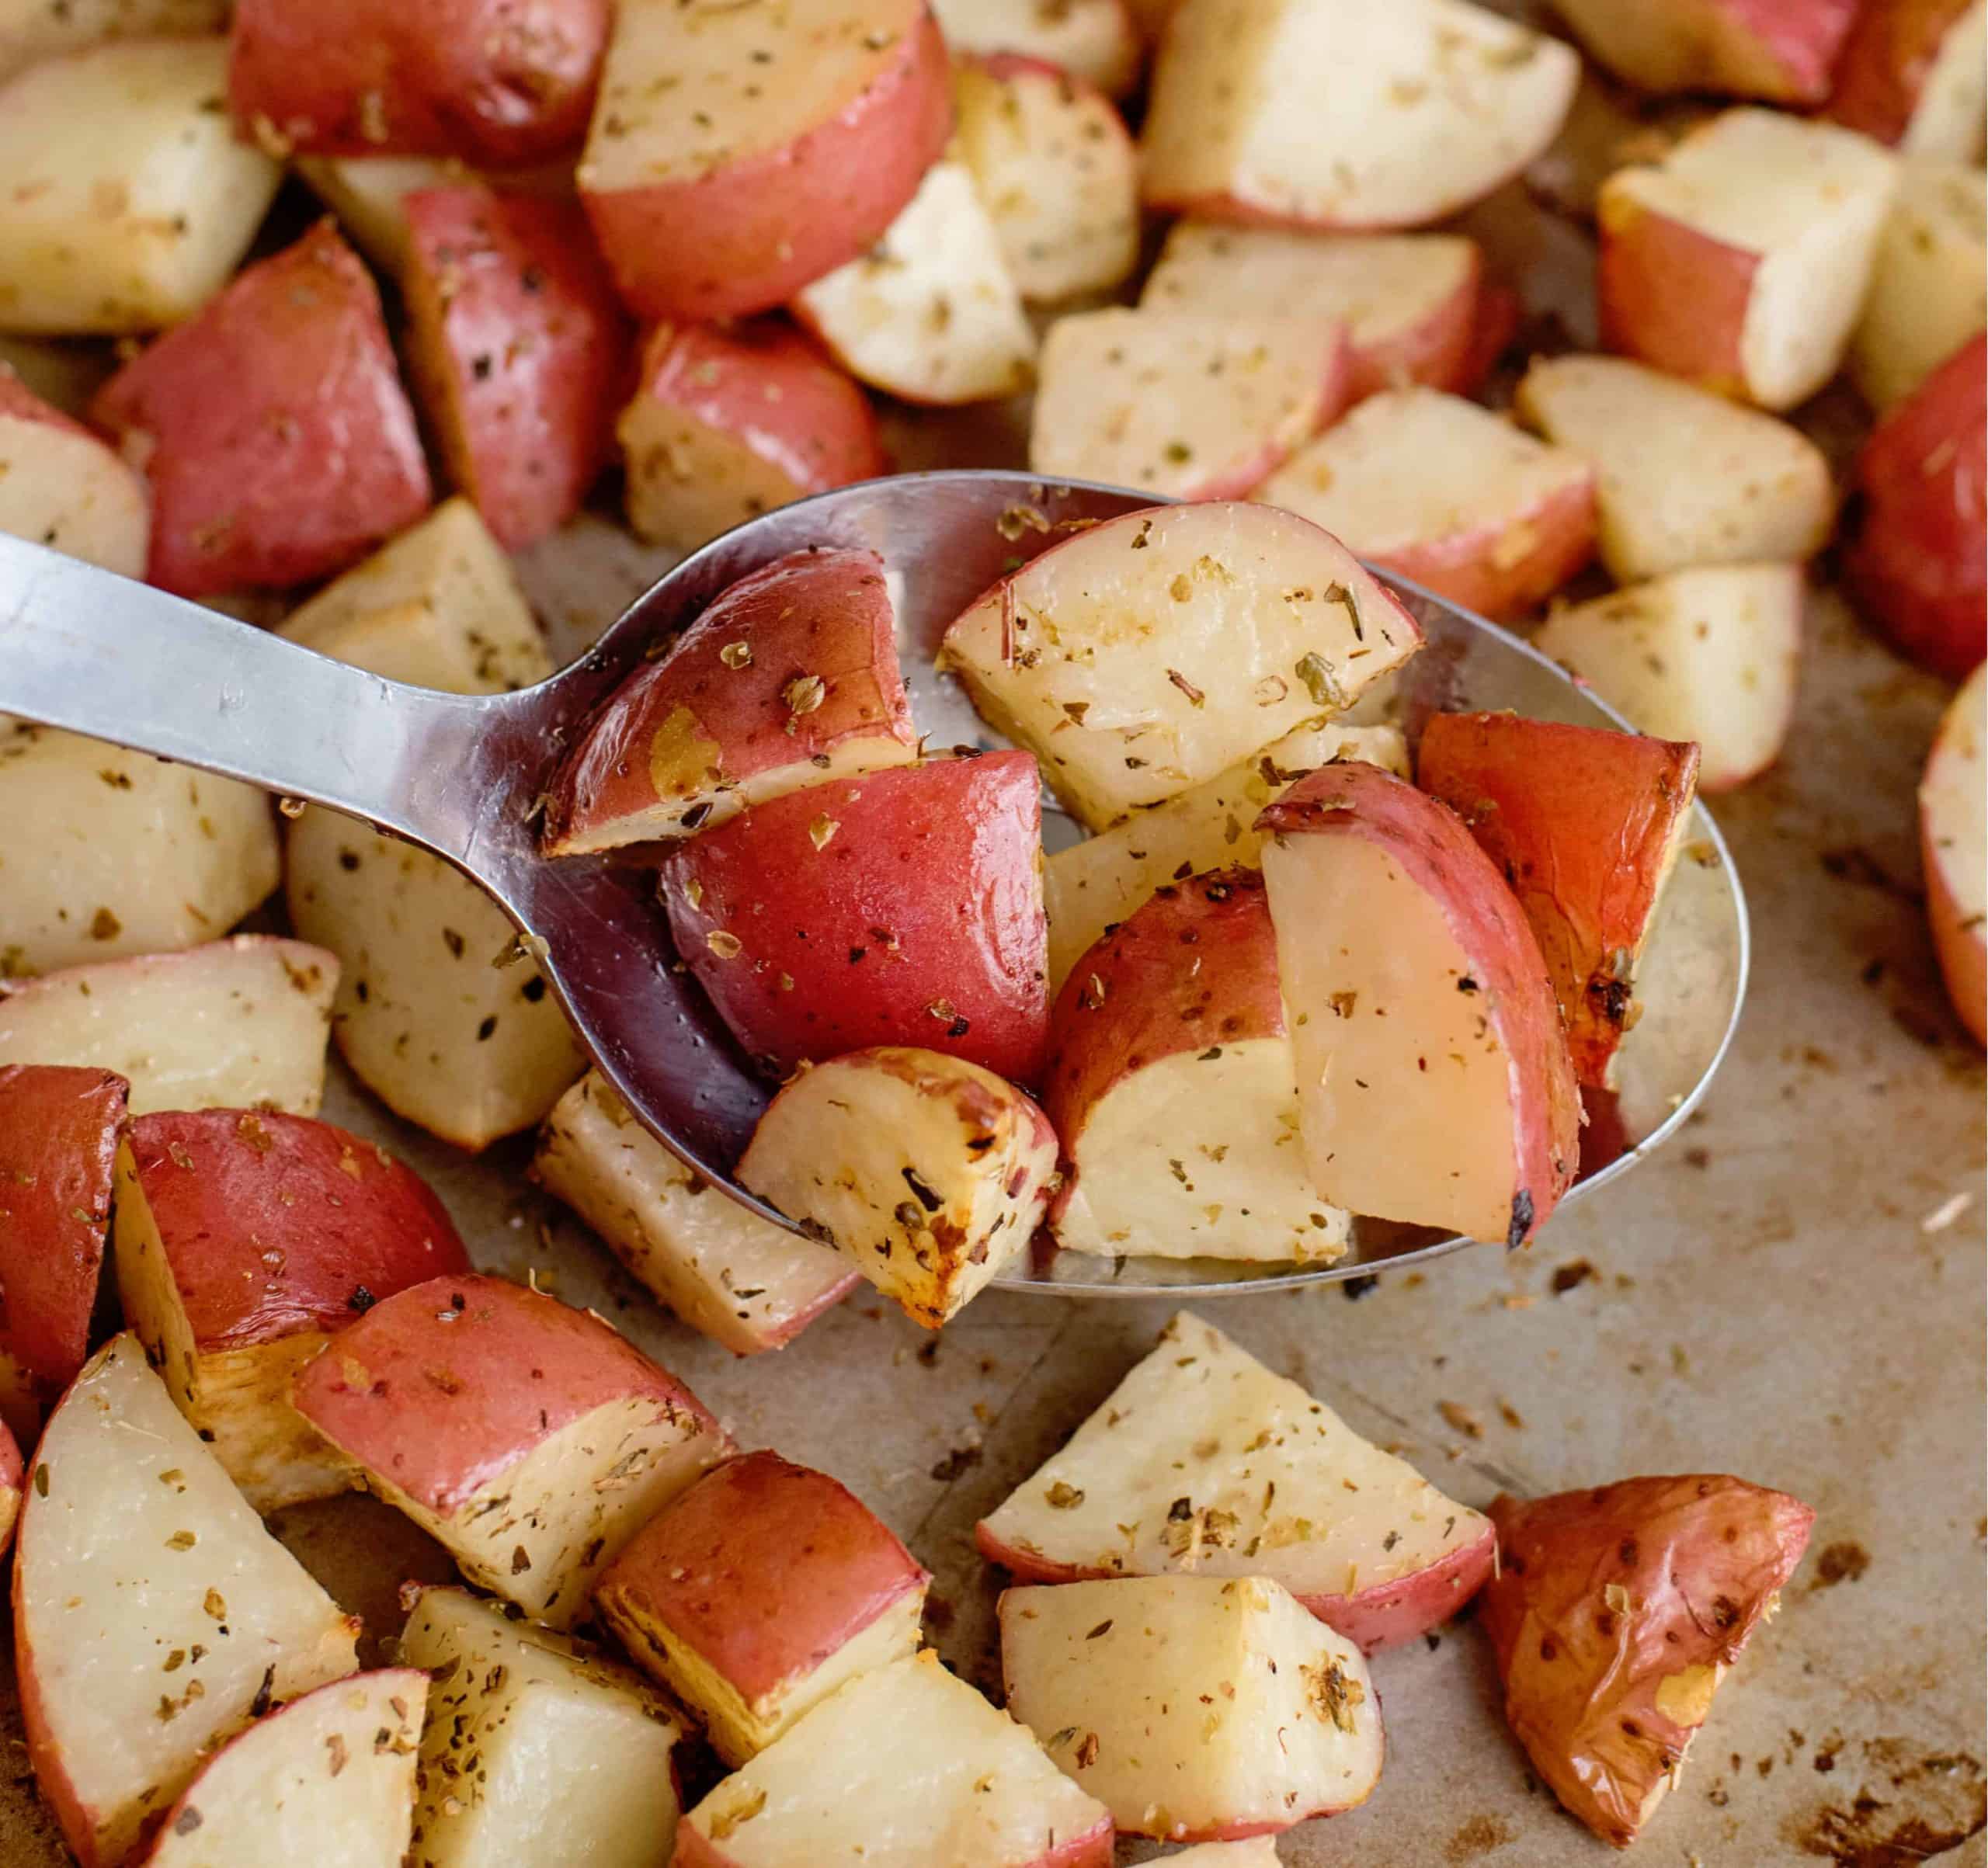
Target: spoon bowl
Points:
(465, 777)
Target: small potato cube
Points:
(758, 1592)
(841, 1144)
(239, 1023)
(1194, 1708)
(1929, 286)
(1914, 74)
(904, 1768)
(61, 486)
(125, 200)
(741, 1280)
(528, 1439)
(536, 1750)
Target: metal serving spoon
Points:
(83, 649)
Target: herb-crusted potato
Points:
(61, 486)
(1092, 39)
(1927, 294)
(1151, 652)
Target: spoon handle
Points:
(84, 649)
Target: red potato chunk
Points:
(758, 1593)
(1195, 1708)
(1409, 301)
(1182, 404)
(1683, 477)
(329, 1777)
(1435, 1082)
(272, 427)
(1148, 654)
(528, 1439)
(788, 681)
(1911, 75)
(1740, 259)
(1585, 824)
(1094, 40)
(900, 908)
(740, 1279)
(1434, 104)
(904, 1768)
(1915, 560)
(1929, 284)
(58, 1148)
(730, 423)
(1616, 1612)
(844, 1142)
(502, 82)
(1953, 829)
(245, 1241)
(61, 486)
(1782, 51)
(522, 349)
(1057, 172)
(1202, 1461)
(134, 1544)
(811, 133)
(1447, 494)
(1171, 1086)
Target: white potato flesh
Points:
(1277, 1485)
(1094, 40)
(1181, 405)
(1683, 477)
(536, 1750)
(741, 1280)
(928, 1173)
(104, 853)
(239, 1023)
(929, 313)
(1929, 285)
(1152, 652)
(368, 194)
(1193, 1706)
(126, 200)
(1808, 200)
(69, 491)
(1410, 471)
(1383, 287)
(905, 1768)
(33, 30)
(688, 481)
(1348, 113)
(1953, 830)
(329, 1778)
(1092, 886)
(153, 1612)
(1710, 655)
(1947, 122)
(1058, 174)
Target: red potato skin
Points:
(1883, 64)
(1673, 297)
(1476, 570)
(12, 1472)
(59, 1128)
(1581, 822)
(765, 1568)
(1916, 565)
(826, 613)
(443, 1385)
(229, 1189)
(927, 894)
(1498, 313)
(747, 236)
(1439, 350)
(775, 391)
(1097, 1848)
(1701, 1557)
(278, 441)
(1439, 855)
(524, 346)
(499, 83)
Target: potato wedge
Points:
(1616, 1612)
(1911, 75)
(239, 1023)
(1740, 259)
(1183, 405)
(1683, 477)
(1927, 294)
(1195, 1708)
(1434, 104)
(61, 486)
(839, 1145)
(1450, 494)
(1953, 835)
(1093, 40)
(1150, 653)
(125, 200)
(1783, 52)
(1202, 1462)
